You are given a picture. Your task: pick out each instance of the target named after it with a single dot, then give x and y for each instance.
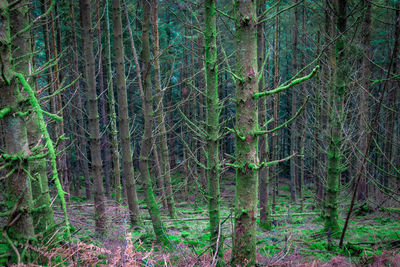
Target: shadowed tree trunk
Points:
(93, 115)
(116, 177)
(160, 115)
(127, 163)
(147, 103)
(293, 129)
(335, 122)
(364, 112)
(81, 148)
(274, 138)
(264, 178)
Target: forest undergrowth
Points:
(296, 237)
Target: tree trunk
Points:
(22, 53)
(364, 111)
(19, 227)
(81, 148)
(244, 240)
(104, 141)
(264, 179)
(274, 138)
(335, 122)
(212, 140)
(389, 176)
(293, 128)
(93, 115)
(127, 163)
(116, 177)
(147, 103)
(160, 115)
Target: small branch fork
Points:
(286, 122)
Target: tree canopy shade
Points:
(199, 133)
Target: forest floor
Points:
(296, 239)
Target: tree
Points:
(127, 163)
(147, 104)
(212, 139)
(80, 133)
(264, 174)
(43, 216)
(93, 115)
(334, 167)
(16, 150)
(244, 240)
(160, 116)
(113, 116)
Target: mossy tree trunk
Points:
(212, 142)
(160, 115)
(335, 121)
(18, 184)
(264, 175)
(127, 163)
(21, 52)
(116, 176)
(244, 240)
(93, 115)
(147, 104)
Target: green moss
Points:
(49, 144)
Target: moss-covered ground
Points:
(296, 235)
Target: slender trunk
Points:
(392, 98)
(19, 227)
(127, 163)
(335, 122)
(104, 142)
(212, 141)
(93, 115)
(364, 112)
(113, 116)
(244, 240)
(56, 107)
(293, 129)
(160, 115)
(264, 179)
(147, 103)
(82, 148)
(274, 138)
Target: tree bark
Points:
(160, 115)
(22, 53)
(93, 115)
(82, 143)
(264, 176)
(293, 128)
(212, 141)
(244, 240)
(147, 104)
(18, 185)
(335, 122)
(127, 163)
(364, 112)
